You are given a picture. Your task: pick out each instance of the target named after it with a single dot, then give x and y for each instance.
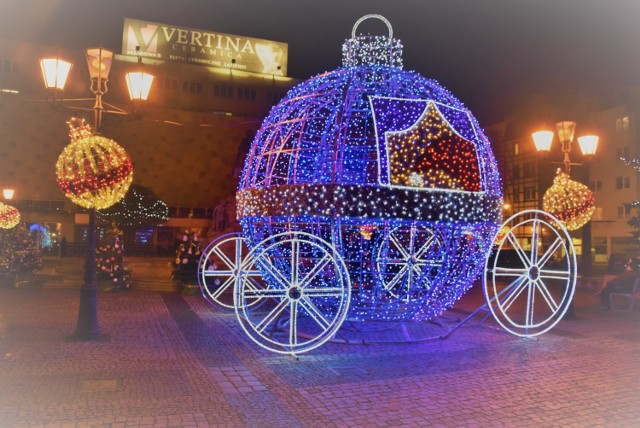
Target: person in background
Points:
(622, 283)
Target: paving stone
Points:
(174, 360)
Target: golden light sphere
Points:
(9, 216)
(94, 172)
(569, 201)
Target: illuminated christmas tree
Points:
(110, 261)
(18, 252)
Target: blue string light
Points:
(390, 168)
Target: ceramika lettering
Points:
(171, 43)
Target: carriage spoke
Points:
(273, 271)
(324, 292)
(544, 291)
(515, 293)
(316, 269)
(271, 316)
(534, 242)
(225, 285)
(550, 251)
(265, 293)
(224, 258)
(530, 305)
(426, 246)
(519, 250)
(217, 272)
(295, 256)
(399, 246)
(293, 323)
(397, 277)
(500, 271)
(315, 313)
(555, 274)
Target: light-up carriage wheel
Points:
(306, 286)
(530, 289)
(220, 265)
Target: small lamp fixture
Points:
(566, 130)
(55, 72)
(588, 144)
(139, 85)
(99, 62)
(7, 193)
(542, 140)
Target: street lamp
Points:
(566, 130)
(588, 146)
(138, 83)
(7, 193)
(89, 187)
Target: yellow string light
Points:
(9, 216)
(93, 171)
(571, 202)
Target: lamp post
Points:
(588, 146)
(55, 72)
(7, 193)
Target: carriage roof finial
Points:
(365, 50)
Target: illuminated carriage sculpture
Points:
(370, 193)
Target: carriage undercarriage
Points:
(293, 290)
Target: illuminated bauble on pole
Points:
(9, 216)
(93, 171)
(569, 201)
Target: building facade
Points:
(187, 141)
(527, 174)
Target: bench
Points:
(628, 299)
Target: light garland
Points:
(569, 201)
(139, 207)
(93, 171)
(9, 216)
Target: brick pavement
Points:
(175, 361)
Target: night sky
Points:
(489, 53)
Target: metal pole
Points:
(88, 326)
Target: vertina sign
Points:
(171, 43)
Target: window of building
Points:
(185, 86)
(620, 212)
(529, 194)
(622, 123)
(596, 186)
(516, 172)
(528, 169)
(627, 211)
(240, 92)
(623, 152)
(623, 182)
(216, 90)
(597, 214)
(516, 149)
